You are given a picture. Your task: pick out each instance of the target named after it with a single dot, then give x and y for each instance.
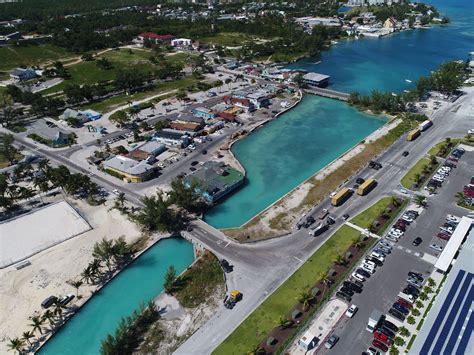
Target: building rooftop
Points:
(215, 176)
(449, 325)
(152, 147)
(315, 77)
(128, 165)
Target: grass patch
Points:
(417, 175)
(5, 163)
(374, 213)
(200, 282)
(410, 343)
(282, 300)
(442, 149)
(12, 57)
(116, 101)
(229, 39)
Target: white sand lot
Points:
(22, 291)
(31, 233)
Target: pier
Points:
(328, 93)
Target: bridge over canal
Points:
(332, 94)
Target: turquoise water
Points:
(293, 147)
(287, 151)
(139, 282)
(384, 63)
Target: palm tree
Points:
(48, 316)
(58, 310)
(16, 344)
(76, 284)
(284, 323)
(339, 259)
(256, 350)
(460, 197)
(36, 324)
(27, 336)
(395, 201)
(420, 200)
(305, 299)
(417, 178)
(86, 275)
(357, 242)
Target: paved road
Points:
(261, 267)
(264, 259)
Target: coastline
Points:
(154, 240)
(295, 197)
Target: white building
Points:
(181, 42)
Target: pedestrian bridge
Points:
(332, 94)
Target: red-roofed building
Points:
(226, 116)
(242, 103)
(154, 37)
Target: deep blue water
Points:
(384, 63)
(299, 143)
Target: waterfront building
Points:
(215, 180)
(172, 138)
(22, 74)
(316, 79)
(153, 37)
(128, 169)
(204, 112)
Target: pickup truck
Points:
(323, 214)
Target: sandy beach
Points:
(22, 291)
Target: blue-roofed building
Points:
(449, 326)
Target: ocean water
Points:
(296, 145)
(385, 63)
(139, 282)
(288, 150)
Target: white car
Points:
(438, 178)
(442, 172)
(407, 218)
(370, 263)
(378, 256)
(351, 311)
(436, 247)
(453, 218)
(367, 268)
(115, 191)
(391, 238)
(396, 232)
(358, 277)
(471, 131)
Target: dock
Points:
(332, 94)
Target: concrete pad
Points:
(41, 229)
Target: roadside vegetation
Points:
(296, 291)
(415, 178)
(9, 155)
(380, 215)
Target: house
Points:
(153, 37)
(171, 138)
(214, 127)
(92, 115)
(181, 42)
(204, 113)
(128, 169)
(69, 113)
(259, 98)
(390, 24)
(215, 180)
(60, 138)
(188, 126)
(21, 74)
(316, 80)
(242, 103)
(225, 116)
(147, 151)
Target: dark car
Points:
(48, 302)
(400, 308)
(353, 287)
(387, 332)
(347, 291)
(411, 291)
(405, 303)
(192, 168)
(360, 180)
(226, 266)
(405, 153)
(379, 345)
(417, 241)
(343, 296)
(374, 260)
(357, 283)
(309, 221)
(390, 325)
(417, 275)
(362, 272)
(443, 236)
(397, 314)
(194, 163)
(66, 299)
(204, 151)
(345, 216)
(333, 339)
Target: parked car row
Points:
(400, 226)
(384, 334)
(118, 138)
(401, 308)
(447, 229)
(441, 175)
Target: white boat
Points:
(407, 91)
(319, 62)
(408, 81)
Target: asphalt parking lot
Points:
(439, 206)
(380, 292)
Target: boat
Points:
(407, 91)
(408, 80)
(318, 62)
